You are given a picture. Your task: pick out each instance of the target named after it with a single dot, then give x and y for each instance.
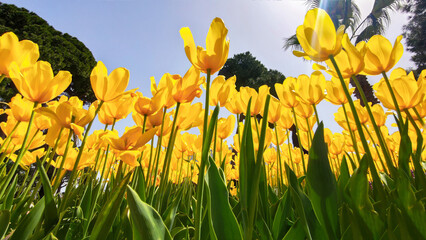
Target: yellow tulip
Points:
(318, 37)
(285, 92)
(380, 56)
(408, 92)
(304, 110)
(21, 108)
(116, 110)
(108, 87)
(235, 104)
(378, 114)
(186, 88)
(335, 93)
(188, 116)
(350, 60)
(162, 95)
(221, 90)
(286, 118)
(147, 106)
(274, 112)
(282, 136)
(13, 50)
(37, 83)
(225, 126)
(217, 47)
(310, 90)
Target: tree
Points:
(347, 13)
(62, 51)
(415, 32)
(251, 72)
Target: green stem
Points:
(300, 142)
(11, 173)
(200, 183)
(395, 102)
(279, 168)
(382, 143)
(77, 161)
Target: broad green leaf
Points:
(4, 222)
(225, 223)
(29, 222)
(147, 221)
(322, 184)
(413, 210)
(141, 184)
(372, 225)
(296, 232)
(50, 212)
(262, 229)
(280, 226)
(108, 213)
(342, 181)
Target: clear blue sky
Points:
(143, 36)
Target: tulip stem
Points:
(200, 183)
(316, 114)
(376, 179)
(418, 116)
(302, 154)
(395, 102)
(279, 168)
(77, 161)
(384, 147)
(11, 173)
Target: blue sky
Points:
(143, 36)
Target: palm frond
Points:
(292, 43)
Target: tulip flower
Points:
(21, 108)
(350, 60)
(126, 147)
(37, 83)
(221, 90)
(108, 87)
(318, 36)
(285, 92)
(116, 110)
(310, 90)
(185, 89)
(225, 126)
(13, 50)
(380, 56)
(335, 93)
(408, 92)
(217, 47)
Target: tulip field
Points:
(243, 176)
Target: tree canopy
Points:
(251, 72)
(415, 32)
(61, 50)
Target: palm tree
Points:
(346, 12)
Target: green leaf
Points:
(322, 185)
(29, 222)
(147, 221)
(108, 213)
(413, 210)
(280, 226)
(344, 177)
(404, 151)
(225, 223)
(7, 205)
(86, 204)
(141, 184)
(4, 222)
(50, 212)
(296, 232)
(372, 225)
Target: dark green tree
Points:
(62, 51)
(415, 32)
(251, 72)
